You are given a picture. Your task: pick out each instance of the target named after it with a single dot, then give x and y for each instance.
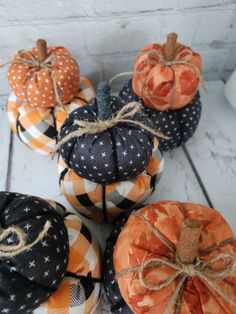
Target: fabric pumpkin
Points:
(31, 277)
(104, 202)
(179, 125)
(155, 232)
(38, 127)
(118, 153)
(167, 76)
(37, 80)
(79, 292)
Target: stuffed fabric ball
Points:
(38, 128)
(179, 125)
(44, 77)
(104, 202)
(167, 76)
(79, 292)
(173, 257)
(33, 252)
(104, 154)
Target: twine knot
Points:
(124, 115)
(22, 245)
(189, 270)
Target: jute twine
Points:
(48, 63)
(200, 269)
(22, 245)
(124, 115)
(166, 63)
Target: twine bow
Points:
(124, 115)
(48, 63)
(22, 245)
(200, 269)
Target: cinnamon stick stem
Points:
(41, 44)
(188, 244)
(170, 46)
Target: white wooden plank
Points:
(213, 150)
(5, 135)
(178, 181)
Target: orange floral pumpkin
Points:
(44, 77)
(167, 76)
(164, 266)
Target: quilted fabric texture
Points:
(38, 127)
(79, 291)
(138, 243)
(29, 278)
(34, 84)
(105, 202)
(166, 86)
(179, 125)
(117, 154)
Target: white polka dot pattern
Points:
(179, 125)
(34, 84)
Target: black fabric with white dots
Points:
(29, 278)
(179, 125)
(117, 154)
(117, 303)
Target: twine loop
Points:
(22, 245)
(124, 115)
(200, 269)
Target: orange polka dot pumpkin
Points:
(139, 276)
(167, 76)
(44, 77)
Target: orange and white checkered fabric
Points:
(77, 295)
(101, 202)
(38, 128)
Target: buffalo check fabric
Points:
(77, 295)
(39, 128)
(106, 202)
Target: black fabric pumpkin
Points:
(108, 156)
(179, 125)
(116, 301)
(29, 278)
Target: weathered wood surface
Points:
(210, 158)
(213, 150)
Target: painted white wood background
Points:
(204, 171)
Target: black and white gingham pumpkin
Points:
(29, 278)
(112, 155)
(179, 125)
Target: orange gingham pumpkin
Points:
(138, 244)
(34, 84)
(167, 76)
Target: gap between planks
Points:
(199, 180)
